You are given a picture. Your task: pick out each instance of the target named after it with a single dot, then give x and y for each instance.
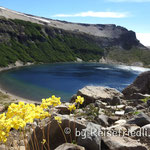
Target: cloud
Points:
(95, 14)
(144, 38)
(138, 1)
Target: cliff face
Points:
(30, 38)
(113, 35)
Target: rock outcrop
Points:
(93, 93)
(69, 130)
(107, 34)
(140, 86)
(91, 139)
(140, 120)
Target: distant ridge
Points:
(100, 30)
(30, 38)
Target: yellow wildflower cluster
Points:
(18, 115)
(72, 107)
(52, 101)
(79, 100)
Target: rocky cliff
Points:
(30, 38)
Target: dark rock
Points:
(113, 119)
(139, 96)
(148, 102)
(129, 109)
(55, 134)
(102, 120)
(137, 102)
(100, 104)
(140, 120)
(68, 131)
(115, 101)
(63, 109)
(69, 146)
(140, 107)
(140, 85)
(91, 139)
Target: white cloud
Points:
(144, 38)
(95, 14)
(138, 1)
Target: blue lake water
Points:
(64, 79)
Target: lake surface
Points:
(64, 79)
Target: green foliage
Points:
(136, 113)
(130, 56)
(145, 99)
(90, 112)
(30, 42)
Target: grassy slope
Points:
(31, 42)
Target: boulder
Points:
(91, 138)
(93, 93)
(102, 120)
(122, 143)
(100, 104)
(129, 109)
(69, 146)
(140, 120)
(71, 129)
(54, 133)
(113, 119)
(115, 101)
(63, 109)
(140, 85)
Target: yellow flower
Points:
(18, 115)
(72, 107)
(44, 141)
(52, 101)
(58, 119)
(79, 99)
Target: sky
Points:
(132, 14)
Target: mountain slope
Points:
(34, 39)
(112, 32)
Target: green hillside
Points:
(30, 42)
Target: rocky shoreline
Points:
(107, 120)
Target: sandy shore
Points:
(13, 97)
(17, 98)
